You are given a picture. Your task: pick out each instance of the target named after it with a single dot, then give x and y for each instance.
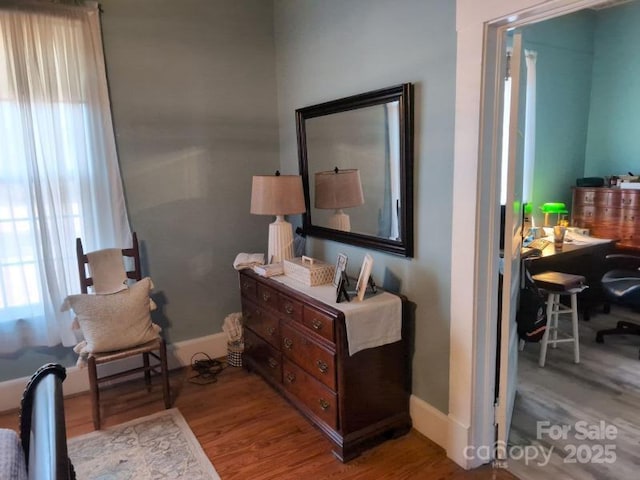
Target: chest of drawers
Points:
(298, 344)
(608, 213)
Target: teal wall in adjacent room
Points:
(613, 144)
(331, 49)
(563, 88)
(588, 99)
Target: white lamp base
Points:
(340, 221)
(280, 240)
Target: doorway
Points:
(476, 193)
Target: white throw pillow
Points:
(114, 321)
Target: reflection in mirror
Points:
(356, 163)
(336, 190)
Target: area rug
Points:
(158, 446)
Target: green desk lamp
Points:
(553, 207)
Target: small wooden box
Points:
(309, 271)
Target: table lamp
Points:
(553, 207)
(337, 189)
(278, 195)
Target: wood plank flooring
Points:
(250, 432)
(605, 386)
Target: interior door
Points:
(508, 346)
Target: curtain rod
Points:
(50, 5)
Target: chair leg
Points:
(545, 338)
(147, 371)
(165, 374)
(95, 392)
(574, 324)
(556, 309)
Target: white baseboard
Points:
(429, 421)
(459, 441)
(179, 355)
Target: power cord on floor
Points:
(207, 369)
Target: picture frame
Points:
(363, 277)
(341, 290)
(341, 266)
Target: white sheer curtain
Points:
(59, 175)
(530, 126)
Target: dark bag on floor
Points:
(532, 311)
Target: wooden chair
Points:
(147, 350)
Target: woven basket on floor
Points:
(234, 354)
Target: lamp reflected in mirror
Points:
(336, 190)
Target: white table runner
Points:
(375, 321)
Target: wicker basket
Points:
(234, 354)
(309, 271)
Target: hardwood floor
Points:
(250, 432)
(603, 387)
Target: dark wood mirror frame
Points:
(403, 94)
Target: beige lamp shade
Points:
(336, 189)
(277, 195)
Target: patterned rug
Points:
(157, 446)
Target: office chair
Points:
(147, 349)
(621, 285)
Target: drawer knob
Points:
(316, 324)
(245, 285)
(324, 405)
(322, 366)
(266, 296)
(272, 363)
(291, 377)
(271, 330)
(288, 343)
(288, 308)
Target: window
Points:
(59, 175)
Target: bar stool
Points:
(557, 285)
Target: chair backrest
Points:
(133, 273)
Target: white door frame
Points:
(475, 221)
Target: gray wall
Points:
(333, 48)
(193, 92)
(194, 101)
(193, 88)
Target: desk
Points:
(587, 260)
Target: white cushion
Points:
(12, 465)
(114, 321)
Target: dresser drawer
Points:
(261, 322)
(584, 216)
(608, 198)
(630, 199)
(319, 322)
(629, 217)
(262, 356)
(608, 215)
(311, 356)
(629, 235)
(290, 308)
(313, 394)
(267, 297)
(248, 287)
(584, 196)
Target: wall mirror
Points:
(356, 162)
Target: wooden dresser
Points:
(608, 213)
(298, 344)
